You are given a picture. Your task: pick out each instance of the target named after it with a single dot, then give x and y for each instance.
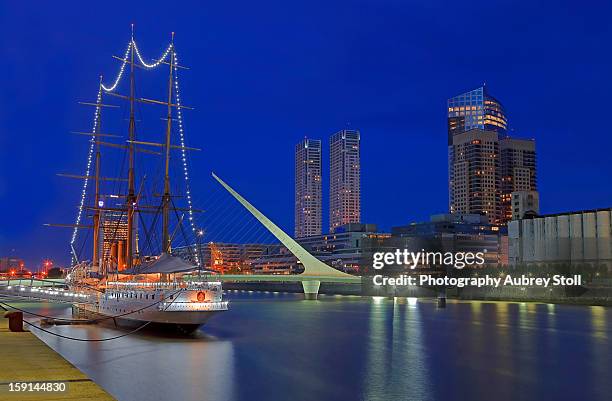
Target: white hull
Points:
(184, 304)
(119, 311)
(191, 305)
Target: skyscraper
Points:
(345, 179)
(475, 109)
(476, 170)
(485, 165)
(308, 194)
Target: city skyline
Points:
(374, 84)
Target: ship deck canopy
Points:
(165, 264)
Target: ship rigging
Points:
(125, 269)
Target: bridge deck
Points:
(27, 289)
(285, 278)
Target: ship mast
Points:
(166, 242)
(96, 217)
(131, 196)
(126, 250)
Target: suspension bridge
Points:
(315, 271)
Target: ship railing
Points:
(175, 285)
(193, 306)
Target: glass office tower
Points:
(475, 109)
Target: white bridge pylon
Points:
(312, 266)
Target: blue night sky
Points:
(265, 74)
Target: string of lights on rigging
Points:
(118, 79)
(103, 88)
(183, 153)
(155, 64)
(87, 169)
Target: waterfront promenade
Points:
(25, 358)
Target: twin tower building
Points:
(344, 183)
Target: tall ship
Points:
(136, 202)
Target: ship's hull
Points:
(189, 306)
(181, 325)
(119, 315)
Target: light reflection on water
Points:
(278, 347)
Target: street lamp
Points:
(47, 264)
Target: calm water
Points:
(279, 347)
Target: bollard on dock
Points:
(15, 321)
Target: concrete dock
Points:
(25, 358)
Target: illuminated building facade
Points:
(345, 179)
(224, 256)
(343, 250)
(518, 171)
(476, 170)
(475, 109)
(10, 264)
(486, 170)
(277, 260)
(114, 237)
(459, 233)
(485, 165)
(308, 193)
